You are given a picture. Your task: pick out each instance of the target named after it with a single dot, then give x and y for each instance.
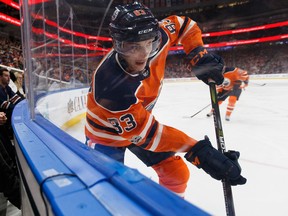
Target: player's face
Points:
(137, 54)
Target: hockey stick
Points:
(228, 92)
(197, 112)
(229, 203)
(258, 84)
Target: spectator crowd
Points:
(266, 58)
(262, 58)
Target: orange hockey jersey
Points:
(233, 79)
(119, 106)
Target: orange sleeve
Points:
(135, 125)
(140, 127)
(182, 30)
(242, 74)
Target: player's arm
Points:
(139, 126)
(162, 138)
(205, 65)
(243, 78)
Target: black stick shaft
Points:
(229, 203)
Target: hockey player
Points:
(126, 86)
(235, 79)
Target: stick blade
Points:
(186, 117)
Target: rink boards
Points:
(61, 176)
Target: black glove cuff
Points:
(200, 144)
(194, 56)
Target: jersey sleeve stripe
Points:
(104, 135)
(190, 26)
(99, 119)
(150, 135)
(157, 138)
(147, 126)
(183, 27)
(95, 125)
(180, 20)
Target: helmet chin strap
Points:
(141, 75)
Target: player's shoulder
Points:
(175, 26)
(168, 19)
(243, 74)
(112, 84)
(169, 24)
(242, 71)
(107, 69)
(174, 21)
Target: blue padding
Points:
(51, 141)
(99, 185)
(79, 203)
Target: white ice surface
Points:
(258, 129)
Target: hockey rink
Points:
(258, 129)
